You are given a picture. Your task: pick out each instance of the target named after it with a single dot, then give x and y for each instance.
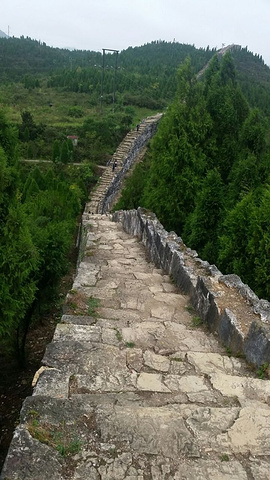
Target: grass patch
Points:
(58, 437)
(196, 322)
(225, 457)
(190, 309)
(176, 359)
(130, 344)
(73, 305)
(118, 335)
(262, 371)
(93, 304)
(228, 351)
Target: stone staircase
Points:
(134, 140)
(134, 387)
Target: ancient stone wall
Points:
(93, 381)
(138, 144)
(229, 307)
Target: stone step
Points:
(133, 387)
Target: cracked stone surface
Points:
(133, 390)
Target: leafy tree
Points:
(56, 154)
(64, 154)
(18, 261)
(131, 195)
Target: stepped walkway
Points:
(124, 156)
(133, 386)
(135, 389)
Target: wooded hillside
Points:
(207, 174)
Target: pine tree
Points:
(178, 158)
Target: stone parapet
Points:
(228, 306)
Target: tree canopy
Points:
(207, 175)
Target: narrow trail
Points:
(134, 387)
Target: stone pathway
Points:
(135, 389)
(120, 156)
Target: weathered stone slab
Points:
(151, 382)
(154, 431)
(78, 319)
(53, 383)
(208, 423)
(81, 358)
(134, 359)
(77, 333)
(144, 335)
(212, 362)
(164, 312)
(211, 470)
(157, 362)
(149, 278)
(183, 276)
(203, 300)
(124, 381)
(29, 459)
(241, 387)
(260, 469)
(250, 433)
(194, 387)
(119, 314)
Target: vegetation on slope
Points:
(38, 219)
(208, 174)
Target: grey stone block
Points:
(181, 274)
(230, 332)
(31, 460)
(203, 300)
(257, 344)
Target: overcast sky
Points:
(118, 24)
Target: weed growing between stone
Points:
(176, 359)
(262, 371)
(93, 304)
(196, 322)
(118, 335)
(225, 458)
(57, 437)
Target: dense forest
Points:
(38, 220)
(207, 173)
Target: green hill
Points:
(147, 75)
